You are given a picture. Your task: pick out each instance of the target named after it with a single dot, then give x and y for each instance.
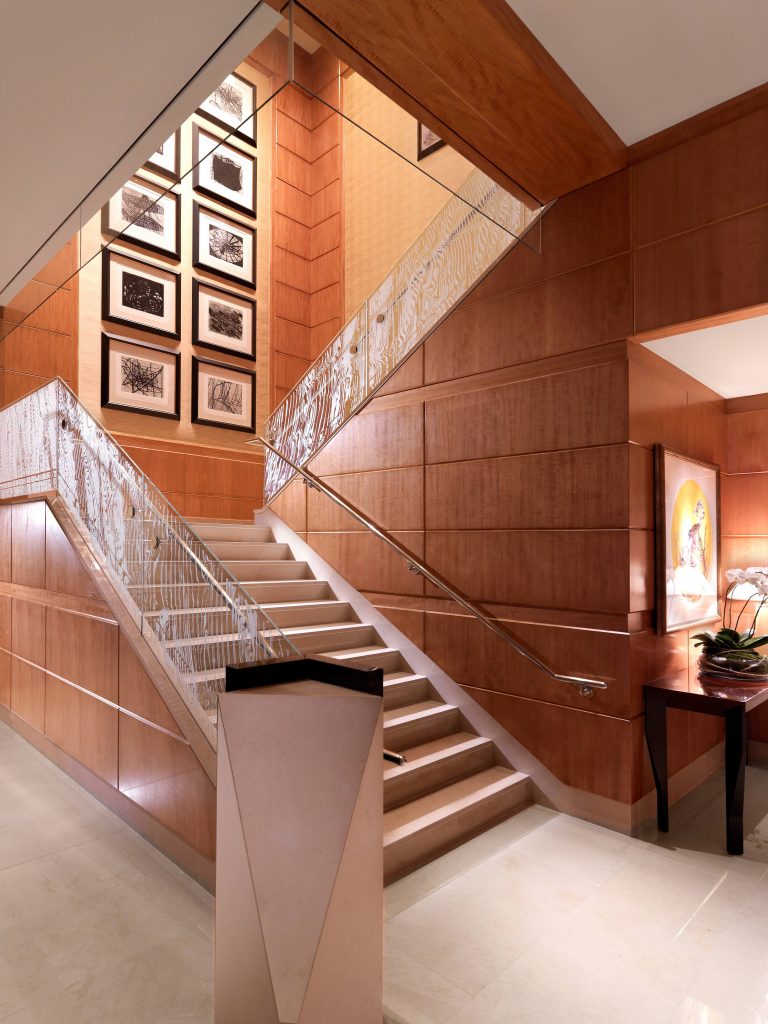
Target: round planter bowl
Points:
(734, 667)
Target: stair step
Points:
(434, 765)
(401, 688)
(287, 590)
(253, 571)
(305, 613)
(423, 829)
(429, 721)
(226, 532)
(367, 657)
(249, 551)
(339, 635)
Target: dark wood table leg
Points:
(735, 770)
(656, 737)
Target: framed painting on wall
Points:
(232, 106)
(140, 294)
(427, 141)
(687, 540)
(166, 158)
(145, 214)
(222, 172)
(223, 395)
(139, 377)
(223, 320)
(223, 246)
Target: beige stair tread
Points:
(309, 605)
(403, 676)
(449, 801)
(357, 652)
(320, 627)
(410, 711)
(445, 744)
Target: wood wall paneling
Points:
(163, 776)
(567, 410)
(375, 440)
(582, 488)
(474, 656)
(715, 269)
(579, 569)
(6, 561)
(6, 645)
(28, 683)
(394, 498)
(581, 309)
(368, 564)
(707, 179)
(64, 572)
(28, 548)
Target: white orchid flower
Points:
(736, 575)
(762, 587)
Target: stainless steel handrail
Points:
(586, 686)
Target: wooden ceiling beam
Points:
(473, 72)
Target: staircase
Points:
(452, 785)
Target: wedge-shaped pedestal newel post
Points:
(299, 897)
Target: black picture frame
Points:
(421, 149)
(218, 197)
(196, 285)
(196, 418)
(106, 340)
(246, 229)
(175, 174)
(711, 472)
(108, 255)
(228, 128)
(118, 233)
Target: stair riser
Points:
(389, 661)
(226, 550)
(421, 730)
(396, 695)
(258, 534)
(270, 591)
(338, 640)
(278, 570)
(311, 616)
(413, 851)
(204, 656)
(412, 784)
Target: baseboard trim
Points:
(141, 821)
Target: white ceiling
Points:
(731, 359)
(647, 64)
(79, 83)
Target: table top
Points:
(690, 692)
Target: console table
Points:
(732, 704)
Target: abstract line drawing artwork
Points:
(141, 377)
(229, 100)
(141, 211)
(142, 294)
(227, 172)
(225, 396)
(225, 320)
(225, 245)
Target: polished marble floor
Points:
(96, 926)
(547, 920)
(544, 919)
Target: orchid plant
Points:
(729, 639)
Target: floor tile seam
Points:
(557, 923)
(462, 873)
